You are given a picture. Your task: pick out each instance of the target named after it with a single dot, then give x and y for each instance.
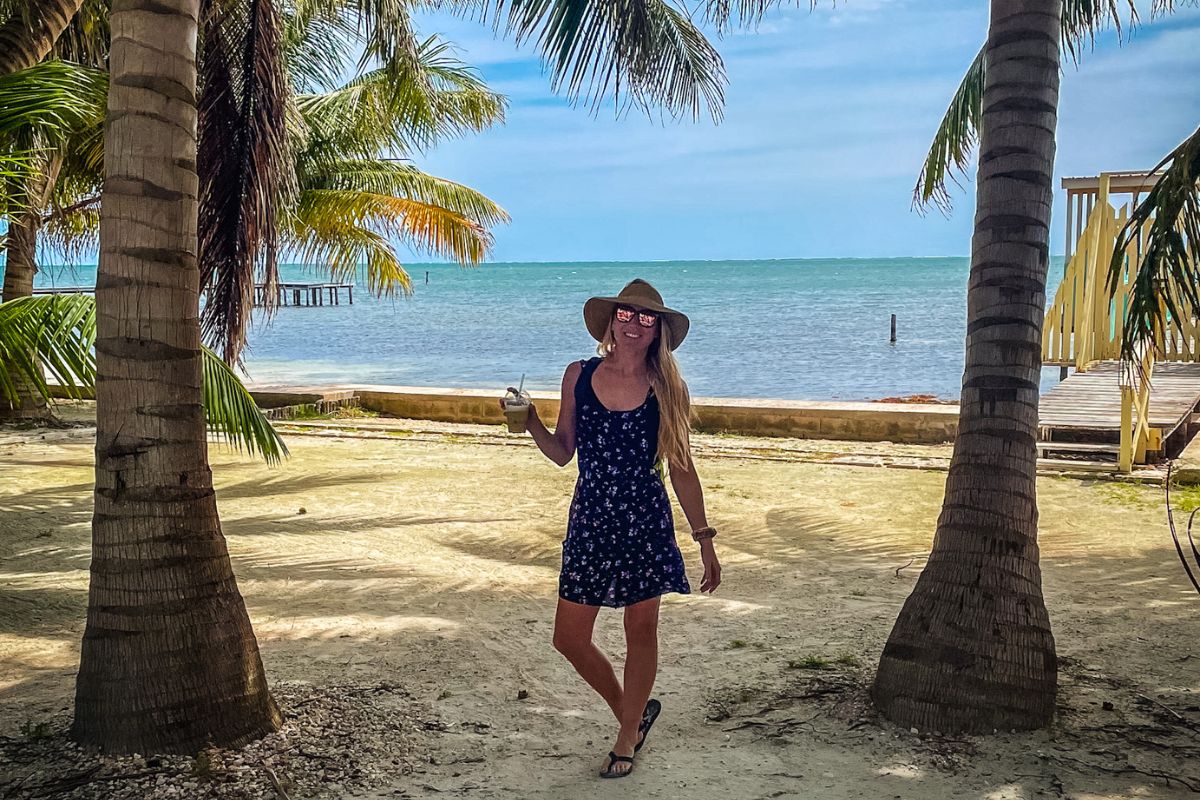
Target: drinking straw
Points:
(521, 385)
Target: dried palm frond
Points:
(244, 163)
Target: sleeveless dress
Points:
(620, 547)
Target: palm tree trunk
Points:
(27, 37)
(972, 649)
(169, 660)
(20, 266)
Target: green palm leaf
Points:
(51, 334)
(1166, 284)
(342, 248)
(345, 228)
(233, 415)
(53, 98)
(398, 179)
(55, 334)
(439, 98)
(954, 142)
(647, 53)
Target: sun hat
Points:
(598, 311)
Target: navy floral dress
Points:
(620, 547)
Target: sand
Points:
(428, 558)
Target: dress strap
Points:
(583, 386)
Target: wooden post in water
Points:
(893, 339)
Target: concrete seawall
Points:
(917, 423)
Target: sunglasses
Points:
(645, 318)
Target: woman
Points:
(628, 413)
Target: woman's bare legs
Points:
(573, 625)
(641, 667)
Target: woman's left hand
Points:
(712, 568)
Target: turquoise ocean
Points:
(809, 329)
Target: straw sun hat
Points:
(598, 311)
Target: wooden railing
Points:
(1084, 324)
(1137, 437)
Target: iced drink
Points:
(516, 410)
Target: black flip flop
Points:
(653, 709)
(613, 760)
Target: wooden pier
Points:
(1083, 416)
(306, 294)
(289, 294)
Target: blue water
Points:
(800, 329)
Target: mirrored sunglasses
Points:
(645, 318)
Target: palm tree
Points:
(912, 685)
(51, 110)
(343, 196)
(77, 31)
(972, 648)
(167, 635)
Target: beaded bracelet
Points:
(701, 534)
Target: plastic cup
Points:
(516, 411)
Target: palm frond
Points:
(244, 163)
(54, 98)
(954, 141)
(86, 39)
(319, 39)
(233, 415)
(388, 33)
(1082, 20)
(55, 334)
(47, 334)
(1166, 284)
(343, 218)
(72, 230)
(16, 165)
(726, 14)
(342, 248)
(439, 98)
(71, 218)
(399, 179)
(646, 53)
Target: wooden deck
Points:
(1091, 401)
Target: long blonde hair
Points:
(674, 402)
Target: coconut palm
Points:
(167, 632)
(50, 110)
(344, 197)
(972, 648)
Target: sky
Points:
(827, 120)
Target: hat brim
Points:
(598, 311)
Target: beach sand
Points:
(428, 559)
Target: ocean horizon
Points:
(802, 329)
